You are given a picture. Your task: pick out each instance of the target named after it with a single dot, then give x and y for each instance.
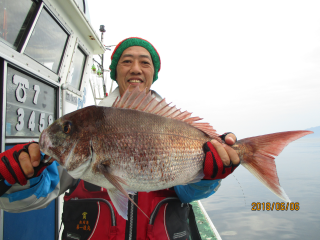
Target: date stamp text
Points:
(275, 206)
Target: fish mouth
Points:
(45, 144)
(44, 140)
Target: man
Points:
(135, 62)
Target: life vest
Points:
(88, 213)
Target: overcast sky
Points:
(250, 67)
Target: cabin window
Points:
(77, 69)
(15, 18)
(47, 42)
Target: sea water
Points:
(231, 208)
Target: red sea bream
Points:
(141, 144)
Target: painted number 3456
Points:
(32, 120)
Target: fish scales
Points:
(148, 149)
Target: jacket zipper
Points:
(131, 219)
(131, 224)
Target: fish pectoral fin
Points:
(197, 178)
(118, 199)
(119, 179)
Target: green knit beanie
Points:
(134, 41)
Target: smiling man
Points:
(134, 68)
(134, 62)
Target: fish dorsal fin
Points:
(142, 101)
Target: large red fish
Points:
(141, 144)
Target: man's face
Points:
(134, 68)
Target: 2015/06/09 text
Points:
(278, 206)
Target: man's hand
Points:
(20, 163)
(227, 154)
(220, 159)
(29, 161)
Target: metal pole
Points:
(102, 30)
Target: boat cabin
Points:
(46, 56)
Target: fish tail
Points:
(257, 154)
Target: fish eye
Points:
(66, 127)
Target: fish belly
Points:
(149, 173)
